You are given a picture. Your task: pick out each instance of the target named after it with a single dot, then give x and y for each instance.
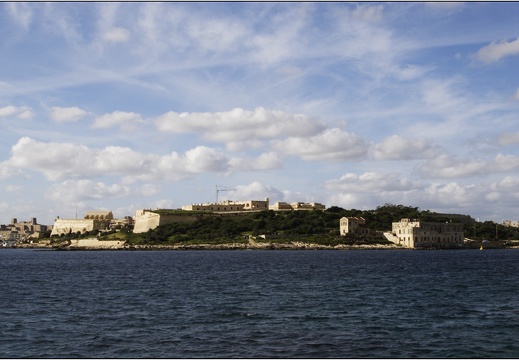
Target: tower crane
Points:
(220, 189)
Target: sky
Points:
(127, 106)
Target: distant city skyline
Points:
(127, 106)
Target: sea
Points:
(259, 304)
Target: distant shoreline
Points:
(234, 246)
(230, 246)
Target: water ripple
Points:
(260, 304)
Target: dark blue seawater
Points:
(266, 304)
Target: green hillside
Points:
(314, 226)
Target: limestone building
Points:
(510, 223)
(93, 220)
(229, 205)
(19, 231)
(353, 225)
(421, 234)
(281, 205)
(99, 215)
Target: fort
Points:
(145, 220)
(432, 231)
(229, 205)
(279, 206)
(93, 220)
(150, 219)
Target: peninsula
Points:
(302, 226)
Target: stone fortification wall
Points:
(230, 206)
(65, 226)
(93, 243)
(146, 219)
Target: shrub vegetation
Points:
(315, 226)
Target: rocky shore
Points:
(263, 246)
(229, 246)
(102, 245)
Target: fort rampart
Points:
(66, 226)
(147, 219)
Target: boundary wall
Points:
(146, 219)
(65, 226)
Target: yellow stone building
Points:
(421, 234)
(353, 225)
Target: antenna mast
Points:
(222, 188)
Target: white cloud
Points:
(249, 144)
(203, 158)
(265, 161)
(445, 166)
(372, 182)
(498, 50)
(504, 194)
(283, 38)
(217, 34)
(13, 188)
(256, 191)
(7, 111)
(451, 194)
(442, 94)
(444, 6)
(67, 114)
(348, 201)
(396, 147)
(25, 113)
(507, 183)
(175, 166)
(82, 190)
(4, 207)
(162, 204)
(58, 161)
(149, 189)
(125, 120)
(6, 170)
(505, 163)
(66, 160)
(22, 13)
(240, 125)
(116, 34)
(369, 13)
(355, 63)
(70, 161)
(508, 138)
(360, 33)
(330, 145)
(411, 72)
(21, 112)
(369, 190)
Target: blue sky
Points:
(124, 106)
